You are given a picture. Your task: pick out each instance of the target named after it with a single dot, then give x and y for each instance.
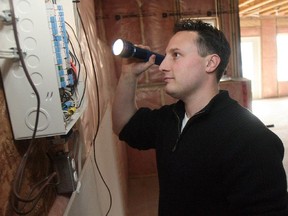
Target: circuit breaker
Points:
(44, 40)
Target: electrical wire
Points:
(82, 58)
(18, 179)
(98, 114)
(69, 94)
(73, 55)
(36, 198)
(74, 60)
(21, 56)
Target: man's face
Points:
(184, 69)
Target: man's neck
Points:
(197, 102)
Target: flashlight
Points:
(126, 49)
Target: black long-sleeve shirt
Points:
(225, 161)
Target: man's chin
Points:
(171, 93)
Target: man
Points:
(214, 157)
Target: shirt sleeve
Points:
(139, 132)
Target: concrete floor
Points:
(143, 192)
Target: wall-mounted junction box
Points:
(65, 167)
(44, 42)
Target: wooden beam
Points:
(267, 10)
(245, 3)
(282, 10)
(273, 6)
(255, 6)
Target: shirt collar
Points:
(218, 102)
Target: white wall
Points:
(92, 197)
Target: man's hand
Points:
(136, 66)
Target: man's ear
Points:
(212, 62)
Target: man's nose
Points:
(163, 65)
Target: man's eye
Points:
(176, 55)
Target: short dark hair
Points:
(210, 40)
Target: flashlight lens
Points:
(118, 47)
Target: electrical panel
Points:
(44, 41)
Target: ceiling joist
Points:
(263, 8)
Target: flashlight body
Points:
(130, 50)
(145, 54)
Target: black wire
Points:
(98, 114)
(36, 199)
(84, 63)
(22, 212)
(73, 55)
(76, 63)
